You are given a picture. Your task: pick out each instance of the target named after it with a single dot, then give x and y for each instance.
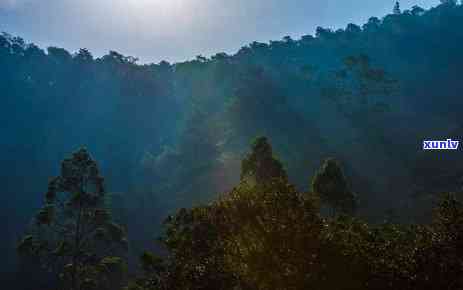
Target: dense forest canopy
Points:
(172, 136)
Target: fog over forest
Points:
(290, 164)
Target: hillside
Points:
(173, 135)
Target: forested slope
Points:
(173, 135)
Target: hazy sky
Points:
(177, 30)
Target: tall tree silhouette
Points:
(261, 165)
(331, 185)
(396, 9)
(73, 234)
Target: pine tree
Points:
(397, 10)
(331, 186)
(261, 165)
(73, 235)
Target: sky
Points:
(178, 30)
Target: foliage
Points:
(268, 235)
(331, 185)
(73, 234)
(334, 93)
(261, 165)
(396, 9)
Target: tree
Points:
(244, 240)
(363, 94)
(261, 165)
(59, 54)
(449, 2)
(353, 29)
(323, 33)
(438, 258)
(417, 10)
(83, 56)
(358, 77)
(73, 234)
(396, 9)
(372, 25)
(331, 185)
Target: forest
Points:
(293, 164)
